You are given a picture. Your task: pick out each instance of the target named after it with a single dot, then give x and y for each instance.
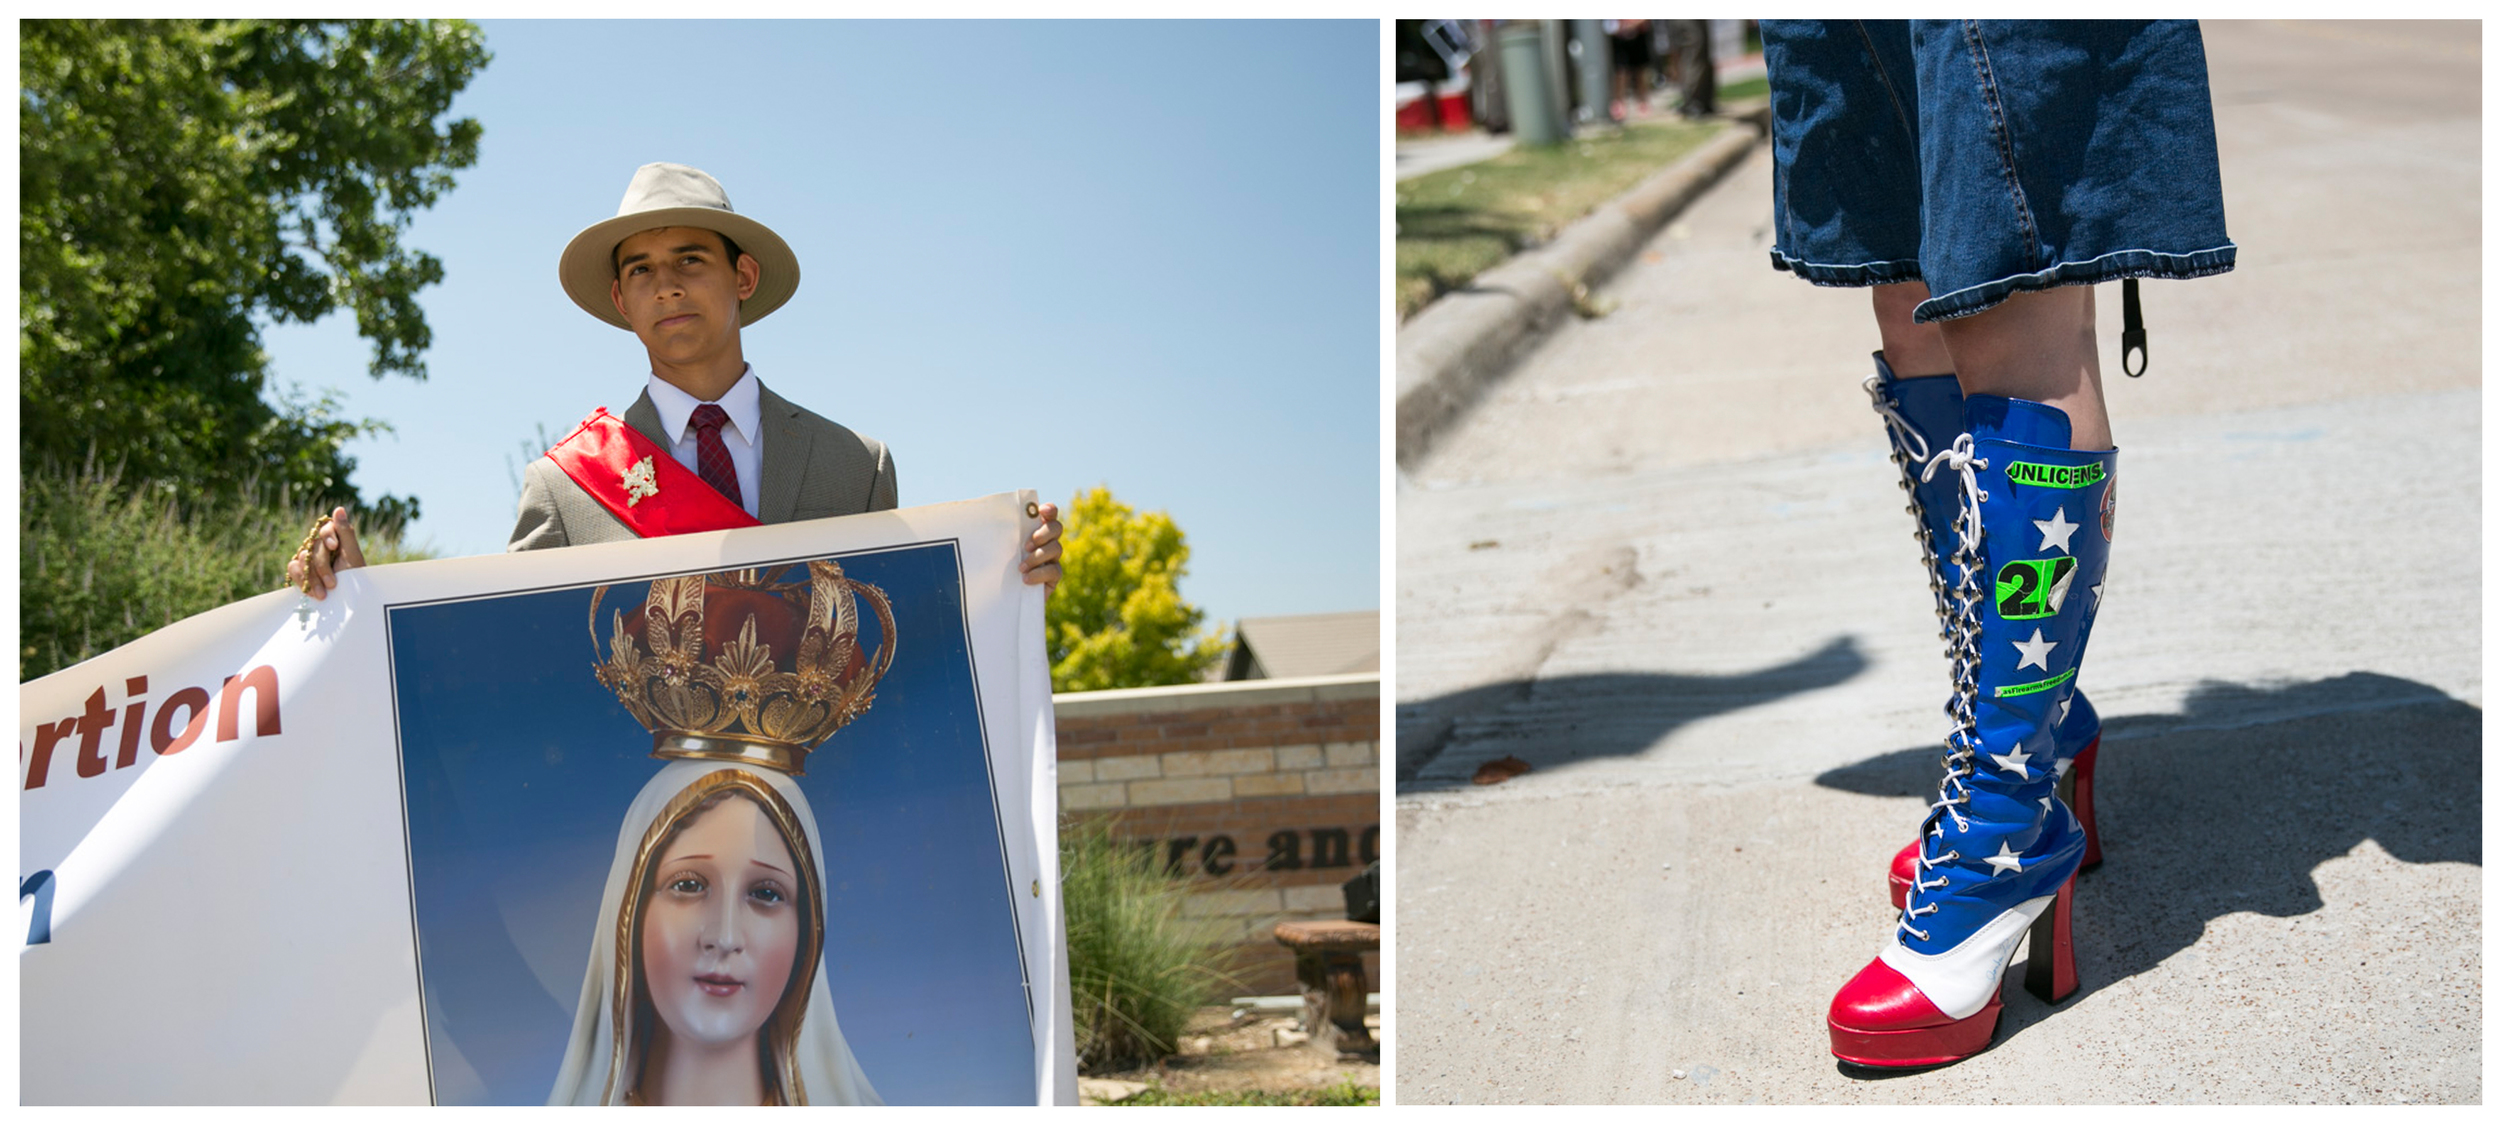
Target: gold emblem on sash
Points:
(640, 482)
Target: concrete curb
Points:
(1466, 340)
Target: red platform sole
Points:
(1917, 1046)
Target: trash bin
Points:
(1535, 119)
(1597, 70)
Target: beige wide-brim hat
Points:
(674, 195)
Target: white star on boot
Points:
(2055, 531)
(2015, 761)
(2035, 651)
(2005, 860)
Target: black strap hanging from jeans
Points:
(2133, 356)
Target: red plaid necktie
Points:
(711, 458)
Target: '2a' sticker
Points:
(2033, 587)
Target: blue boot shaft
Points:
(1922, 416)
(2045, 552)
(2028, 556)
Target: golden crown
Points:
(737, 666)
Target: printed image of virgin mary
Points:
(702, 986)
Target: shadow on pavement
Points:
(2232, 805)
(1550, 722)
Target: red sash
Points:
(641, 483)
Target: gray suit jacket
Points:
(812, 469)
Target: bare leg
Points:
(2038, 346)
(1910, 349)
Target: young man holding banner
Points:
(706, 447)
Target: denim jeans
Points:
(1989, 157)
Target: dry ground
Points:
(1232, 1049)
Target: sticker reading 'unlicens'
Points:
(2011, 690)
(2056, 475)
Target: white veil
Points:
(827, 1073)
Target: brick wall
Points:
(1264, 793)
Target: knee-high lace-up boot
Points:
(1922, 415)
(1998, 853)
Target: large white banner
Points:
(769, 811)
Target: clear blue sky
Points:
(1044, 255)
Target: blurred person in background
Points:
(1628, 42)
(1688, 59)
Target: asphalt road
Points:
(1665, 562)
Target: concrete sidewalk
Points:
(1665, 562)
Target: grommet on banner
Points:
(1032, 510)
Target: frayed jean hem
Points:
(1979, 298)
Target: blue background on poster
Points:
(519, 768)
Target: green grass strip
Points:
(1456, 223)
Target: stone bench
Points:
(1328, 959)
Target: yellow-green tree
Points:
(1117, 619)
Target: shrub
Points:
(1136, 967)
(100, 565)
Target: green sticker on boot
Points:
(2028, 588)
(2011, 690)
(2056, 475)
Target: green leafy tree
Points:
(182, 180)
(1117, 619)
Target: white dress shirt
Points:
(743, 436)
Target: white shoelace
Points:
(1874, 385)
(1962, 635)
(1925, 864)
